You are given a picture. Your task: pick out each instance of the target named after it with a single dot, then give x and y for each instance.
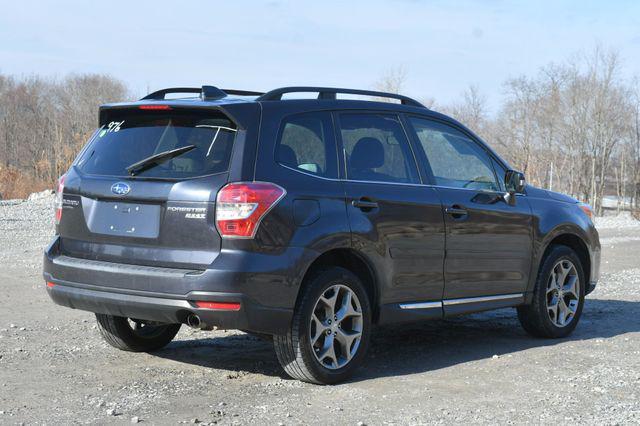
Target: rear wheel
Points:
(330, 329)
(135, 335)
(261, 336)
(558, 296)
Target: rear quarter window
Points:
(130, 136)
(306, 144)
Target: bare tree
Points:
(572, 127)
(392, 81)
(44, 122)
(472, 110)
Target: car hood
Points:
(560, 197)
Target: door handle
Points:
(364, 204)
(456, 211)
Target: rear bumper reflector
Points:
(218, 306)
(50, 284)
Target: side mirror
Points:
(514, 182)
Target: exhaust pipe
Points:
(193, 321)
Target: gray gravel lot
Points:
(55, 368)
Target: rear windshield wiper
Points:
(156, 159)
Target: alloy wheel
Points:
(563, 293)
(335, 329)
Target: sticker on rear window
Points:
(114, 126)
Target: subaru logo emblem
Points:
(120, 188)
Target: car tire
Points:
(315, 348)
(543, 317)
(140, 337)
(259, 336)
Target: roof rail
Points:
(242, 92)
(331, 92)
(207, 93)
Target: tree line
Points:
(572, 127)
(43, 124)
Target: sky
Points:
(443, 46)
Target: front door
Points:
(488, 240)
(395, 220)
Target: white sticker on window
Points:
(114, 126)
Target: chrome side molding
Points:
(421, 305)
(448, 302)
(483, 299)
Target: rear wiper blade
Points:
(156, 159)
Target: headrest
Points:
(368, 153)
(287, 156)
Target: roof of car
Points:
(213, 96)
(326, 99)
(305, 98)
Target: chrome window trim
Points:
(385, 183)
(474, 190)
(307, 173)
(389, 183)
(427, 185)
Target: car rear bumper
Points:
(250, 316)
(266, 296)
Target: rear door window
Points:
(306, 144)
(131, 136)
(376, 149)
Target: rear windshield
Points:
(129, 137)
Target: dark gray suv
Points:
(309, 220)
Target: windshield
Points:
(130, 136)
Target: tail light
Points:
(155, 107)
(58, 199)
(241, 206)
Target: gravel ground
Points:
(55, 368)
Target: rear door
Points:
(297, 151)
(488, 240)
(162, 213)
(395, 220)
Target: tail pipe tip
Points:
(193, 321)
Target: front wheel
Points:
(330, 330)
(135, 335)
(558, 296)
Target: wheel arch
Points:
(569, 238)
(353, 261)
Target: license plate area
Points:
(123, 219)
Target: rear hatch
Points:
(143, 189)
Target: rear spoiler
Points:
(243, 114)
(206, 93)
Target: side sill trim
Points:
(449, 302)
(421, 305)
(482, 299)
